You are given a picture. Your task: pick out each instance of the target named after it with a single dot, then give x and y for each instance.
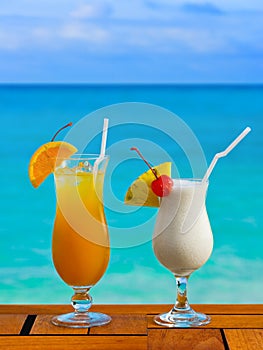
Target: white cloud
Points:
(91, 10)
(36, 9)
(197, 40)
(86, 32)
(221, 5)
(170, 39)
(43, 34)
(9, 41)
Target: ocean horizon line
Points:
(131, 84)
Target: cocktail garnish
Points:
(163, 184)
(63, 127)
(44, 160)
(140, 192)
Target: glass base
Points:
(81, 319)
(182, 318)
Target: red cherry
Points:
(162, 186)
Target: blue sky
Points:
(141, 41)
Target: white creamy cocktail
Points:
(183, 242)
(182, 239)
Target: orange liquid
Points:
(80, 245)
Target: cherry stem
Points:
(139, 153)
(63, 127)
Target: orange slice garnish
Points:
(43, 161)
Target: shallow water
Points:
(215, 114)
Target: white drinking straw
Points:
(225, 152)
(102, 147)
(104, 137)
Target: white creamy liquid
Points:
(183, 239)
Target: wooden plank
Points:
(34, 309)
(11, 324)
(229, 309)
(109, 309)
(244, 339)
(225, 321)
(124, 324)
(248, 309)
(74, 342)
(185, 339)
(43, 325)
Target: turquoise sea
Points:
(213, 115)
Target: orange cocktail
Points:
(80, 245)
(80, 258)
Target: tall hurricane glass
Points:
(80, 244)
(183, 242)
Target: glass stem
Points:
(181, 303)
(81, 300)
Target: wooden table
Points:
(233, 327)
